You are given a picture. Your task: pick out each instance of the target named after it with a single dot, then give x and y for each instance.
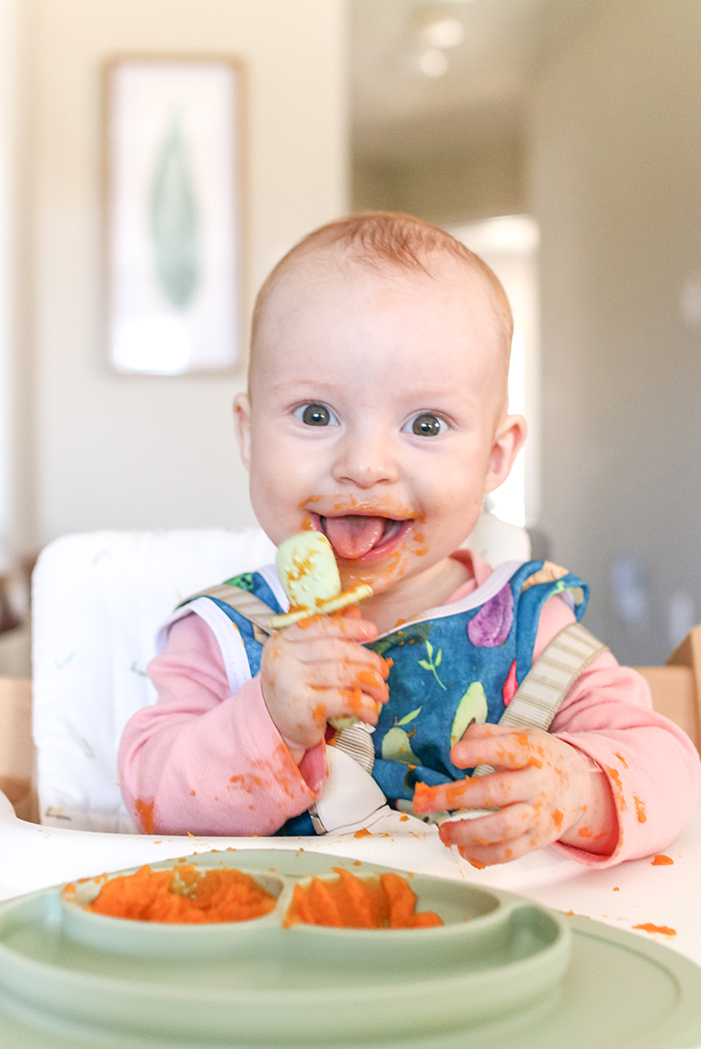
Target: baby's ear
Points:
(242, 421)
(508, 441)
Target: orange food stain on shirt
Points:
(615, 776)
(639, 809)
(649, 927)
(192, 794)
(145, 812)
(662, 861)
(622, 760)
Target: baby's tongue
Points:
(354, 535)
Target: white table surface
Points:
(34, 857)
(635, 893)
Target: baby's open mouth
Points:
(352, 536)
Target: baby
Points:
(376, 413)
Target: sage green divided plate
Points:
(500, 972)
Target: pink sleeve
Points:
(204, 761)
(652, 766)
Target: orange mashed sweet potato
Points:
(183, 894)
(350, 902)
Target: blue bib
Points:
(446, 672)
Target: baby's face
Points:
(376, 414)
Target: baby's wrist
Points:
(596, 828)
(297, 750)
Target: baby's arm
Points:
(204, 761)
(637, 774)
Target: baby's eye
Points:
(425, 424)
(315, 415)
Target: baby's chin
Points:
(380, 575)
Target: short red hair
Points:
(383, 239)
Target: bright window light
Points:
(509, 244)
(157, 344)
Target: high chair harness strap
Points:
(538, 698)
(243, 601)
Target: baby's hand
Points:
(318, 669)
(545, 791)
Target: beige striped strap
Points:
(357, 742)
(546, 684)
(242, 601)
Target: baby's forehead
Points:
(315, 278)
(314, 293)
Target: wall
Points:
(615, 182)
(465, 183)
(9, 132)
(122, 452)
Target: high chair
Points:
(98, 601)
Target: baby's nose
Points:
(366, 460)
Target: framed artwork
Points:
(173, 171)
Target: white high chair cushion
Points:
(98, 600)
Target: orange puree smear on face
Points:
(183, 895)
(350, 902)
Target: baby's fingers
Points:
(485, 792)
(342, 703)
(480, 856)
(349, 627)
(500, 746)
(354, 677)
(509, 823)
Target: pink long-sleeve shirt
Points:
(204, 761)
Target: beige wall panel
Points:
(116, 452)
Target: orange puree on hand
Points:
(184, 895)
(350, 902)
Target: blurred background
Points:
(559, 138)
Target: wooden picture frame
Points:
(173, 215)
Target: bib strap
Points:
(546, 684)
(243, 601)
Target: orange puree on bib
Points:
(350, 902)
(183, 895)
